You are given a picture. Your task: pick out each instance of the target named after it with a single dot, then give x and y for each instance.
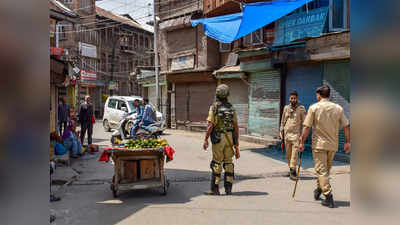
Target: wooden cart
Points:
(138, 169)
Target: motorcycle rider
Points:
(139, 110)
(147, 116)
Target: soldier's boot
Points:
(293, 174)
(228, 177)
(215, 178)
(228, 188)
(328, 201)
(214, 188)
(317, 193)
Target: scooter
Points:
(123, 131)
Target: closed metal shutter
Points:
(305, 79)
(152, 95)
(201, 96)
(337, 77)
(181, 98)
(239, 98)
(264, 104)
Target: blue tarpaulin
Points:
(229, 28)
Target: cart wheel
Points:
(165, 188)
(114, 191)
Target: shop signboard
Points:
(52, 27)
(88, 75)
(297, 26)
(181, 63)
(88, 50)
(112, 85)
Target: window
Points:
(121, 104)
(224, 47)
(146, 43)
(68, 1)
(141, 42)
(112, 103)
(62, 29)
(338, 15)
(254, 38)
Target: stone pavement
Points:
(262, 195)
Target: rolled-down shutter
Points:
(239, 98)
(304, 79)
(201, 96)
(337, 76)
(264, 104)
(181, 97)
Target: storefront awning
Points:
(229, 28)
(228, 72)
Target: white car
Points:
(118, 106)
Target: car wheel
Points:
(106, 126)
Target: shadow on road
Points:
(98, 199)
(342, 204)
(276, 153)
(249, 193)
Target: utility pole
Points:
(156, 57)
(112, 64)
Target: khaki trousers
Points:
(291, 153)
(323, 163)
(223, 153)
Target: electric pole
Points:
(112, 64)
(156, 57)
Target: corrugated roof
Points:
(117, 18)
(63, 8)
(228, 69)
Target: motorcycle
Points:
(124, 128)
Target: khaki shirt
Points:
(325, 117)
(213, 119)
(294, 119)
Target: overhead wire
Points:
(127, 19)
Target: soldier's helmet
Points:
(222, 91)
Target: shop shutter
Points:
(305, 79)
(181, 98)
(337, 76)
(239, 98)
(264, 104)
(152, 95)
(202, 95)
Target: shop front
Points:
(264, 93)
(192, 95)
(239, 92)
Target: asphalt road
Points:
(262, 195)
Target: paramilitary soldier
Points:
(291, 124)
(223, 128)
(324, 117)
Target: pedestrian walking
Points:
(63, 115)
(86, 119)
(324, 117)
(291, 123)
(224, 132)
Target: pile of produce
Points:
(146, 143)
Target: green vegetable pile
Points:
(146, 143)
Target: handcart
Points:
(138, 169)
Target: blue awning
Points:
(229, 28)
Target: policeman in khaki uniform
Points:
(223, 129)
(324, 117)
(291, 124)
